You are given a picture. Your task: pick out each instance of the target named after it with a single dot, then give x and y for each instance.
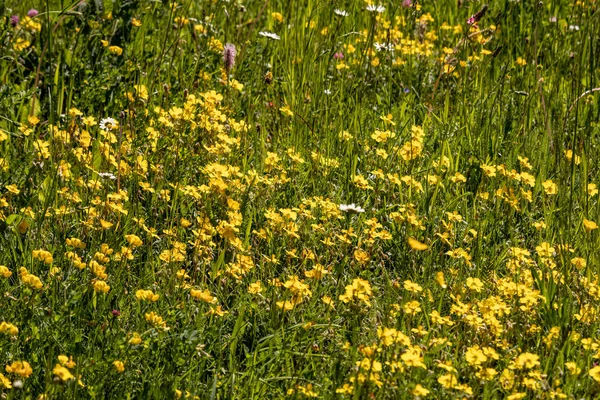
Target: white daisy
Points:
(269, 35)
(377, 9)
(351, 208)
(107, 124)
(341, 13)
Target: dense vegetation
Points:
(290, 199)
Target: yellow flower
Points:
(527, 361)
(43, 255)
(595, 373)
(550, 187)
(569, 156)
(412, 307)
(155, 320)
(317, 272)
(146, 295)
(416, 245)
(33, 120)
(345, 389)
(475, 284)
(360, 289)
(203, 295)
(136, 22)
(133, 240)
(255, 288)
(5, 382)
(486, 374)
(439, 278)
(277, 17)
(361, 256)
(589, 225)
(488, 170)
(13, 189)
(105, 224)
(413, 358)
(66, 361)
(21, 44)
(412, 286)
(7, 327)
(119, 366)
(115, 50)
(573, 368)
(5, 272)
(216, 311)
(21, 368)
(361, 182)
(101, 287)
(475, 356)
(62, 373)
(30, 279)
(328, 301)
(388, 119)
(285, 305)
(448, 381)
(136, 339)
(419, 391)
(286, 111)
(579, 262)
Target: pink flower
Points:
(476, 17)
(229, 53)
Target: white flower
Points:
(384, 46)
(108, 124)
(377, 9)
(269, 35)
(327, 92)
(351, 208)
(107, 175)
(341, 13)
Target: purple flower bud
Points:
(14, 20)
(32, 13)
(407, 3)
(116, 313)
(229, 53)
(477, 16)
(338, 56)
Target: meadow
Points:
(268, 199)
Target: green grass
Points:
(220, 193)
